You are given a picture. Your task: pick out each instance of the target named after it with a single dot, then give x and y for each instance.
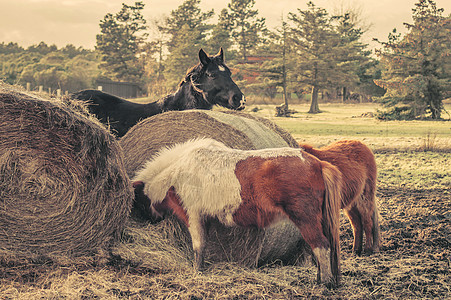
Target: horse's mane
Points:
(193, 95)
(190, 98)
(190, 72)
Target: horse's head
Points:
(213, 79)
(143, 204)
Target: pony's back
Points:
(192, 166)
(355, 161)
(346, 154)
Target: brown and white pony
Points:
(203, 178)
(358, 167)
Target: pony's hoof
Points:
(332, 285)
(357, 252)
(198, 263)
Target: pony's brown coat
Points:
(357, 164)
(272, 184)
(307, 192)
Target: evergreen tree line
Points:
(311, 52)
(68, 68)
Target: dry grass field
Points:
(414, 198)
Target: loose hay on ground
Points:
(64, 191)
(160, 248)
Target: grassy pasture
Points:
(343, 121)
(414, 188)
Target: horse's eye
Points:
(211, 75)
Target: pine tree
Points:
(350, 53)
(183, 55)
(187, 30)
(220, 36)
(248, 30)
(274, 71)
(314, 43)
(122, 41)
(190, 14)
(328, 52)
(417, 65)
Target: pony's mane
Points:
(208, 144)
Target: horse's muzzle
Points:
(239, 103)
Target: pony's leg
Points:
(370, 219)
(324, 274)
(197, 232)
(310, 226)
(356, 222)
(376, 231)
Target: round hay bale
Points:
(235, 129)
(64, 191)
(238, 130)
(285, 135)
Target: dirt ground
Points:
(414, 261)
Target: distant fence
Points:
(120, 89)
(41, 89)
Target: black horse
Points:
(206, 84)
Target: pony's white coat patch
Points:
(221, 68)
(202, 171)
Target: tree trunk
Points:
(284, 77)
(434, 102)
(314, 107)
(244, 45)
(343, 96)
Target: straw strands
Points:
(63, 187)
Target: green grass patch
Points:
(414, 170)
(351, 120)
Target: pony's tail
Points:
(331, 209)
(370, 194)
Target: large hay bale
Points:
(235, 129)
(249, 247)
(64, 191)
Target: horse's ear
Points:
(203, 57)
(220, 55)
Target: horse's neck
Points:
(152, 108)
(185, 98)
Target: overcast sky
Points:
(76, 22)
